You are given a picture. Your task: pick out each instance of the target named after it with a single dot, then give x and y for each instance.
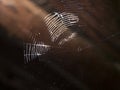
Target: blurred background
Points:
(99, 24)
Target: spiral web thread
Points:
(34, 49)
(58, 23)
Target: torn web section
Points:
(63, 40)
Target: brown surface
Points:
(94, 66)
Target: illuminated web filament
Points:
(58, 23)
(35, 50)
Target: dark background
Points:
(44, 75)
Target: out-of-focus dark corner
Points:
(16, 75)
